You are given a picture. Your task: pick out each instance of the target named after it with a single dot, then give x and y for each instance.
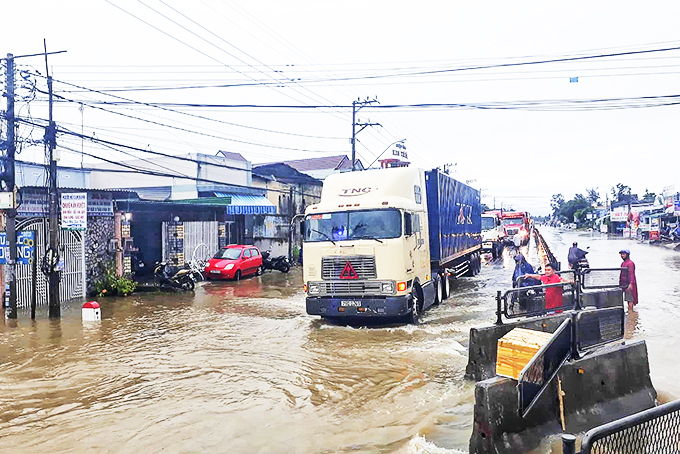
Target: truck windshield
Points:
(488, 223)
(513, 221)
(353, 225)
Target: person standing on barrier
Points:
(553, 295)
(628, 281)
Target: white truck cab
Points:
(493, 234)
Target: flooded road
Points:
(240, 367)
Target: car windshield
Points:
(353, 225)
(488, 223)
(513, 221)
(228, 254)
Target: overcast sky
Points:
(275, 80)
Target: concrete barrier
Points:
(605, 385)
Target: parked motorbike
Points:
(137, 264)
(279, 263)
(176, 279)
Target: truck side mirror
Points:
(302, 228)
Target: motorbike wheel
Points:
(188, 284)
(284, 267)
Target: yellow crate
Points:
(516, 349)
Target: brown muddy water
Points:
(241, 368)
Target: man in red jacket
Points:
(553, 295)
(628, 281)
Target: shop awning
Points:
(248, 204)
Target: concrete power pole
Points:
(356, 109)
(52, 253)
(7, 185)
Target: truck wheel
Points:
(446, 286)
(478, 263)
(414, 316)
(438, 290)
(471, 267)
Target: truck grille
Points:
(511, 232)
(363, 265)
(351, 288)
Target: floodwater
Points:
(240, 367)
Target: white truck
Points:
(386, 242)
(493, 234)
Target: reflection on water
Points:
(631, 324)
(238, 367)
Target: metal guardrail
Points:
(601, 278)
(539, 372)
(653, 431)
(595, 328)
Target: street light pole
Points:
(383, 152)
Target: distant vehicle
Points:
(386, 243)
(493, 233)
(516, 223)
(234, 262)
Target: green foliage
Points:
(296, 253)
(113, 285)
(620, 191)
(593, 196)
(556, 204)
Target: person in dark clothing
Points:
(523, 267)
(575, 254)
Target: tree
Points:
(649, 197)
(556, 204)
(593, 196)
(569, 209)
(620, 192)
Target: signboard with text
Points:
(74, 211)
(25, 247)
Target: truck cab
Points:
(366, 248)
(493, 233)
(516, 225)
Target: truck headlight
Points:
(313, 288)
(228, 267)
(387, 287)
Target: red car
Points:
(234, 262)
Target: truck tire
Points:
(446, 286)
(413, 317)
(438, 290)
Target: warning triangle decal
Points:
(348, 272)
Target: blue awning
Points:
(248, 204)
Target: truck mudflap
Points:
(389, 306)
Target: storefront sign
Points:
(99, 204)
(619, 216)
(74, 211)
(25, 247)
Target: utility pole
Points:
(7, 184)
(363, 126)
(53, 250)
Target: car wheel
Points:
(259, 271)
(237, 275)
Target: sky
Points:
(521, 100)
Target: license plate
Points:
(489, 245)
(215, 271)
(350, 303)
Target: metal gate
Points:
(201, 233)
(182, 240)
(72, 276)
